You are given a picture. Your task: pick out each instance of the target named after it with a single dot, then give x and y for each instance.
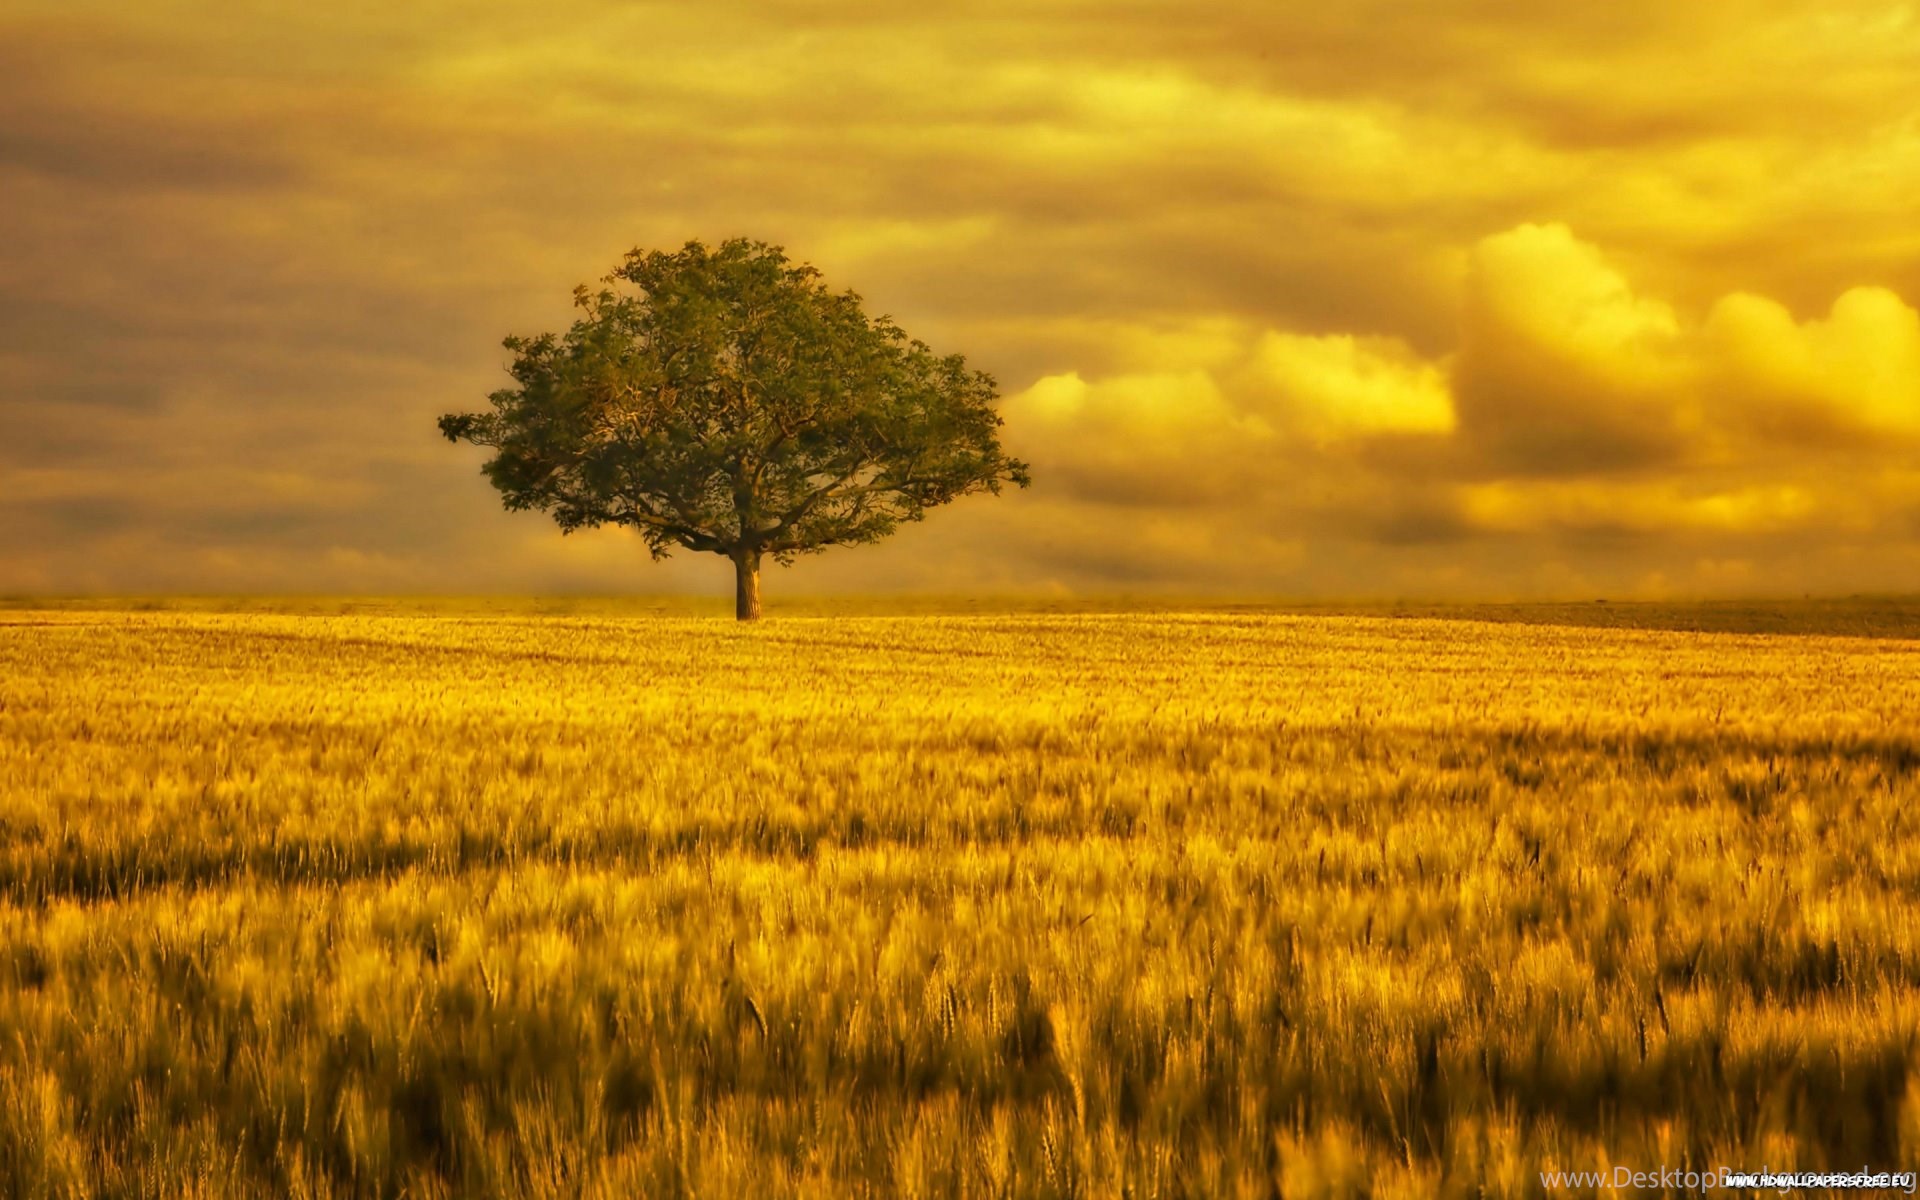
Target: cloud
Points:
(1854, 373)
(1577, 418)
(1282, 296)
(1562, 368)
(1639, 509)
(1339, 386)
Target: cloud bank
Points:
(1382, 299)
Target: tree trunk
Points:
(746, 585)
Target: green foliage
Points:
(727, 401)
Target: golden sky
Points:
(1472, 298)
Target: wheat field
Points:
(1151, 905)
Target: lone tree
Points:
(726, 400)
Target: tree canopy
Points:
(727, 400)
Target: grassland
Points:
(1231, 904)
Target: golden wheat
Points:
(1043, 905)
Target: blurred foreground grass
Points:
(476, 902)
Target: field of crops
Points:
(1029, 905)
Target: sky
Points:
(1465, 299)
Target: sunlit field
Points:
(479, 903)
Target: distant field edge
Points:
(1872, 616)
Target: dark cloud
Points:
(1469, 298)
